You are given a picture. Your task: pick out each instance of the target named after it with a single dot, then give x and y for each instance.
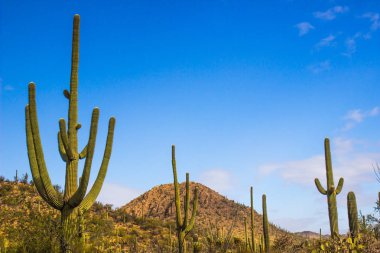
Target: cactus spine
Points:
(331, 191)
(265, 225)
(253, 246)
(183, 226)
(352, 214)
(74, 198)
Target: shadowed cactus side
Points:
(74, 199)
(330, 191)
(265, 225)
(183, 226)
(352, 214)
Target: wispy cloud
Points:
(117, 195)
(356, 167)
(374, 18)
(326, 42)
(319, 67)
(304, 28)
(331, 13)
(217, 179)
(357, 116)
(8, 87)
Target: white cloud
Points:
(356, 167)
(357, 116)
(117, 195)
(218, 180)
(331, 13)
(327, 41)
(304, 28)
(374, 18)
(319, 67)
(8, 87)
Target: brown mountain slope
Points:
(213, 208)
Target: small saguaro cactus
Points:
(265, 225)
(183, 226)
(352, 214)
(252, 244)
(74, 199)
(245, 234)
(330, 191)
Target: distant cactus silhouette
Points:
(183, 226)
(74, 199)
(330, 191)
(352, 214)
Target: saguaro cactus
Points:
(183, 226)
(252, 245)
(330, 191)
(265, 225)
(74, 199)
(352, 214)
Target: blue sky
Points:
(246, 90)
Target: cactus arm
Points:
(61, 148)
(65, 139)
(32, 158)
(94, 192)
(320, 187)
(50, 191)
(187, 200)
(340, 186)
(190, 226)
(83, 154)
(176, 190)
(78, 196)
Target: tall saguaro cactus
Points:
(74, 199)
(253, 246)
(183, 226)
(352, 214)
(265, 225)
(330, 191)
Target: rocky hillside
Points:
(213, 208)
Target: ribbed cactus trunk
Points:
(74, 199)
(352, 214)
(265, 225)
(183, 226)
(330, 191)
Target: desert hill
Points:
(213, 208)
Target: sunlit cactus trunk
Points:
(330, 191)
(74, 199)
(183, 226)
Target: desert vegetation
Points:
(37, 216)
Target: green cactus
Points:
(183, 226)
(265, 225)
(74, 198)
(331, 191)
(16, 177)
(252, 244)
(352, 214)
(245, 234)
